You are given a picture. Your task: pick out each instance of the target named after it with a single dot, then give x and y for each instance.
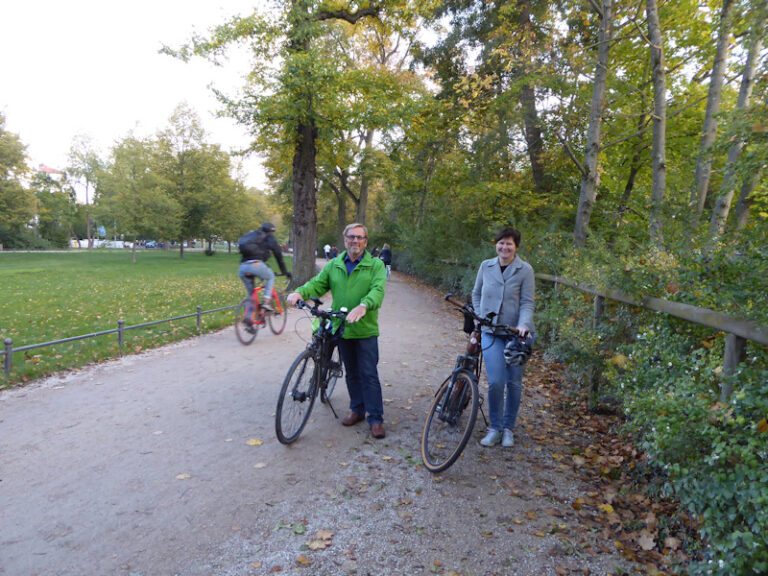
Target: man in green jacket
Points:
(356, 281)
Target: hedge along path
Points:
(166, 462)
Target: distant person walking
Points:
(327, 250)
(386, 256)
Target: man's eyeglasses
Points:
(355, 237)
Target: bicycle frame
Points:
(470, 362)
(256, 313)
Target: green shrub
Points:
(711, 456)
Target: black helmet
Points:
(518, 350)
(268, 227)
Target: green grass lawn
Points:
(53, 295)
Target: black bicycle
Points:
(314, 372)
(453, 413)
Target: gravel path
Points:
(167, 463)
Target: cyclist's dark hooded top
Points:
(258, 244)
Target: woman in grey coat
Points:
(505, 286)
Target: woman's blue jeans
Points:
(361, 357)
(501, 379)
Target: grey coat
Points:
(510, 296)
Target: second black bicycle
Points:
(314, 372)
(452, 415)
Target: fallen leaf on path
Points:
(183, 476)
(254, 442)
(607, 508)
(646, 541)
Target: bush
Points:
(711, 456)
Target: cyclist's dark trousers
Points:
(361, 357)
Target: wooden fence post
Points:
(735, 353)
(593, 399)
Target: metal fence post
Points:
(120, 332)
(8, 355)
(199, 317)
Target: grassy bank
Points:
(55, 295)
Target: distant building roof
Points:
(48, 169)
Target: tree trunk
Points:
(533, 137)
(723, 204)
(709, 131)
(591, 179)
(88, 231)
(659, 123)
(634, 168)
(362, 206)
(304, 204)
(745, 202)
(341, 213)
(341, 216)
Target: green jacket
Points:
(365, 284)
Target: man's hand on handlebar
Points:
(356, 313)
(293, 298)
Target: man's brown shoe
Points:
(353, 419)
(378, 430)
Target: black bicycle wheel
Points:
(245, 333)
(450, 422)
(277, 320)
(335, 371)
(297, 396)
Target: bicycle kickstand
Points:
(482, 411)
(328, 400)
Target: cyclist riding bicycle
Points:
(256, 247)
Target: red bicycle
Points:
(250, 315)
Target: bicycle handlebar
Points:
(469, 311)
(315, 310)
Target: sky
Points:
(92, 68)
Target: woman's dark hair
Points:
(508, 233)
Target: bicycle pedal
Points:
(335, 370)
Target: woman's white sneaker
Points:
(508, 438)
(492, 438)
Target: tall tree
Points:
(56, 208)
(727, 188)
(84, 166)
(709, 130)
(492, 61)
(133, 194)
(198, 173)
(591, 177)
(286, 104)
(17, 204)
(659, 122)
